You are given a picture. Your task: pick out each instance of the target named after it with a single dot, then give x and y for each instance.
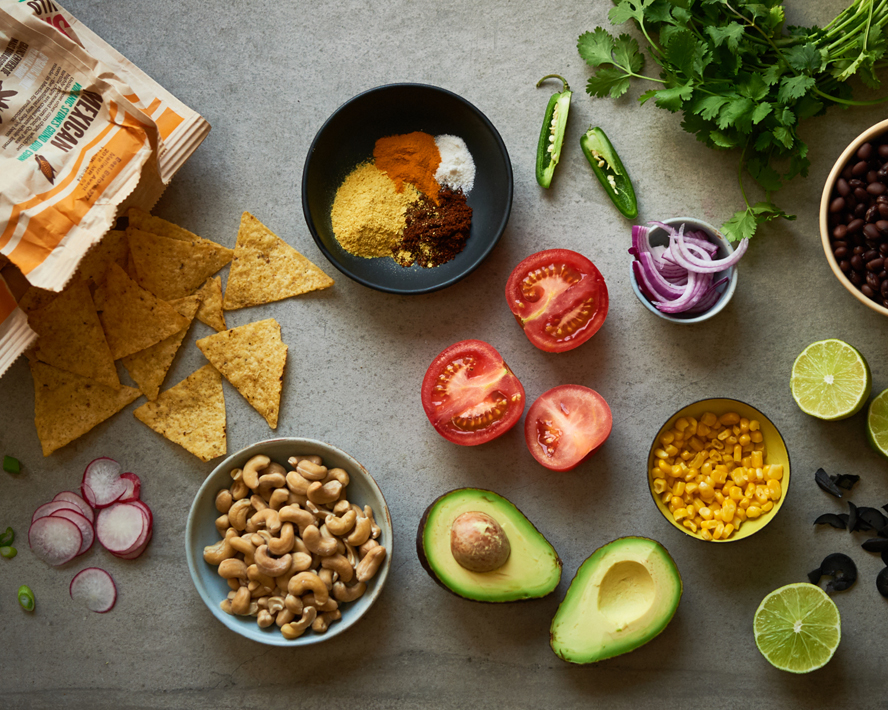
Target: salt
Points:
(457, 169)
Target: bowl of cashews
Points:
(289, 541)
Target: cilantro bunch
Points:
(742, 79)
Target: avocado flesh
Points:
(622, 597)
(532, 570)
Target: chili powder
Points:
(434, 234)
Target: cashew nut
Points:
(375, 530)
(296, 499)
(340, 526)
(310, 600)
(232, 567)
(323, 493)
(261, 537)
(268, 517)
(322, 622)
(340, 565)
(344, 593)
(255, 574)
(237, 515)
(271, 479)
(275, 604)
(294, 604)
(312, 471)
(314, 458)
(239, 490)
(283, 544)
(271, 566)
(351, 555)
(337, 474)
(264, 619)
(328, 576)
(342, 507)
(258, 502)
(294, 630)
(366, 547)
(368, 566)
(222, 524)
(237, 474)
(297, 484)
(252, 468)
(311, 536)
(243, 546)
(279, 498)
(223, 500)
(241, 603)
(225, 605)
(361, 533)
(234, 583)
(306, 581)
(222, 550)
(284, 616)
(294, 514)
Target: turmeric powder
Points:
(411, 157)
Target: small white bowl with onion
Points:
(684, 269)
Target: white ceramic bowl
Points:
(658, 237)
(201, 532)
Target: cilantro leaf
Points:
(761, 112)
(736, 112)
(672, 98)
(784, 135)
(794, 87)
(681, 52)
(741, 226)
(628, 10)
(773, 73)
(753, 87)
(596, 47)
(729, 34)
(709, 106)
(608, 81)
(764, 174)
(806, 58)
(626, 54)
(724, 140)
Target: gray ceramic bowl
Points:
(201, 531)
(658, 237)
(347, 139)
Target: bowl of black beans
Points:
(854, 218)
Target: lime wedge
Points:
(830, 380)
(797, 628)
(877, 423)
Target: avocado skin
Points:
(423, 560)
(649, 639)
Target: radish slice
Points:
(137, 552)
(133, 488)
(94, 588)
(52, 507)
(143, 506)
(85, 507)
(54, 540)
(86, 528)
(102, 485)
(121, 527)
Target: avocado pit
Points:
(478, 542)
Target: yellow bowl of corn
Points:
(718, 470)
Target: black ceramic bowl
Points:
(347, 139)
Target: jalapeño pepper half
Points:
(552, 133)
(609, 170)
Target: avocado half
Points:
(622, 597)
(533, 569)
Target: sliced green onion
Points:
(26, 598)
(8, 552)
(11, 464)
(7, 538)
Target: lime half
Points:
(830, 380)
(877, 423)
(797, 628)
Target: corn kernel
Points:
(729, 529)
(744, 439)
(775, 472)
(705, 513)
(702, 429)
(756, 459)
(709, 419)
(738, 452)
(731, 440)
(719, 496)
(699, 504)
(681, 424)
(659, 485)
(729, 419)
(754, 425)
(767, 506)
(761, 494)
(774, 489)
(690, 475)
(739, 516)
(724, 434)
(690, 525)
(661, 454)
(706, 535)
(679, 488)
(728, 509)
(737, 476)
(744, 424)
(746, 461)
(686, 454)
(680, 514)
(736, 494)
(744, 503)
(753, 511)
(746, 449)
(691, 487)
(666, 496)
(667, 438)
(709, 524)
(671, 450)
(706, 469)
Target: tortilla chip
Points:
(191, 414)
(66, 406)
(266, 268)
(171, 268)
(71, 337)
(141, 220)
(210, 311)
(148, 367)
(252, 358)
(112, 248)
(133, 318)
(3, 261)
(36, 298)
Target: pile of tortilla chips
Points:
(133, 299)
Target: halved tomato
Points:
(565, 425)
(470, 395)
(559, 298)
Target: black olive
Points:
(872, 517)
(842, 570)
(882, 582)
(826, 483)
(852, 516)
(885, 556)
(875, 544)
(845, 480)
(833, 520)
(814, 576)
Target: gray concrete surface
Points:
(266, 75)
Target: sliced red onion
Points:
(660, 285)
(686, 258)
(708, 299)
(697, 285)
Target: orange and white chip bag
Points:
(84, 134)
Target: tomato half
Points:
(470, 395)
(565, 425)
(559, 298)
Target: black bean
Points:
(875, 265)
(881, 198)
(839, 243)
(861, 195)
(883, 173)
(840, 231)
(855, 225)
(883, 248)
(837, 205)
(867, 291)
(883, 209)
(872, 281)
(856, 278)
(882, 225)
(872, 214)
(858, 250)
(860, 168)
(875, 188)
(846, 173)
(870, 254)
(845, 266)
(842, 187)
(872, 176)
(884, 289)
(865, 152)
(883, 151)
(856, 182)
(841, 252)
(870, 231)
(857, 262)
(860, 210)
(883, 274)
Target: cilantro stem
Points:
(848, 102)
